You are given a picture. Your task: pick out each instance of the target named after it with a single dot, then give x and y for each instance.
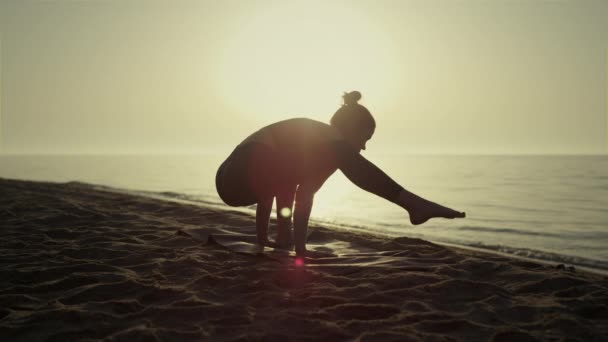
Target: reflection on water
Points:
(531, 204)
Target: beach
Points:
(81, 262)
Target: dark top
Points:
(310, 151)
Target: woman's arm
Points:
(303, 207)
(262, 217)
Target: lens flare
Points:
(299, 262)
(285, 212)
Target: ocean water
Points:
(551, 208)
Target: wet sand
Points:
(79, 263)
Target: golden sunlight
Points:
(296, 59)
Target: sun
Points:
(296, 58)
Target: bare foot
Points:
(426, 210)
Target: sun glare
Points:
(296, 59)
(285, 212)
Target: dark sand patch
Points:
(79, 263)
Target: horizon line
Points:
(165, 153)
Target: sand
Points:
(83, 263)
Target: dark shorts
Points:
(251, 173)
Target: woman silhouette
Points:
(290, 160)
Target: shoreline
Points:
(84, 263)
(183, 199)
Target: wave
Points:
(516, 208)
(528, 253)
(508, 231)
(590, 264)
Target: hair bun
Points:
(351, 98)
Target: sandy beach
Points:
(84, 263)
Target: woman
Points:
(290, 160)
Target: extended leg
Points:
(421, 210)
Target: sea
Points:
(550, 208)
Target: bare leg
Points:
(421, 210)
(285, 199)
(262, 217)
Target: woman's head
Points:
(354, 121)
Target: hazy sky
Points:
(439, 76)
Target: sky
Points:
(196, 76)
